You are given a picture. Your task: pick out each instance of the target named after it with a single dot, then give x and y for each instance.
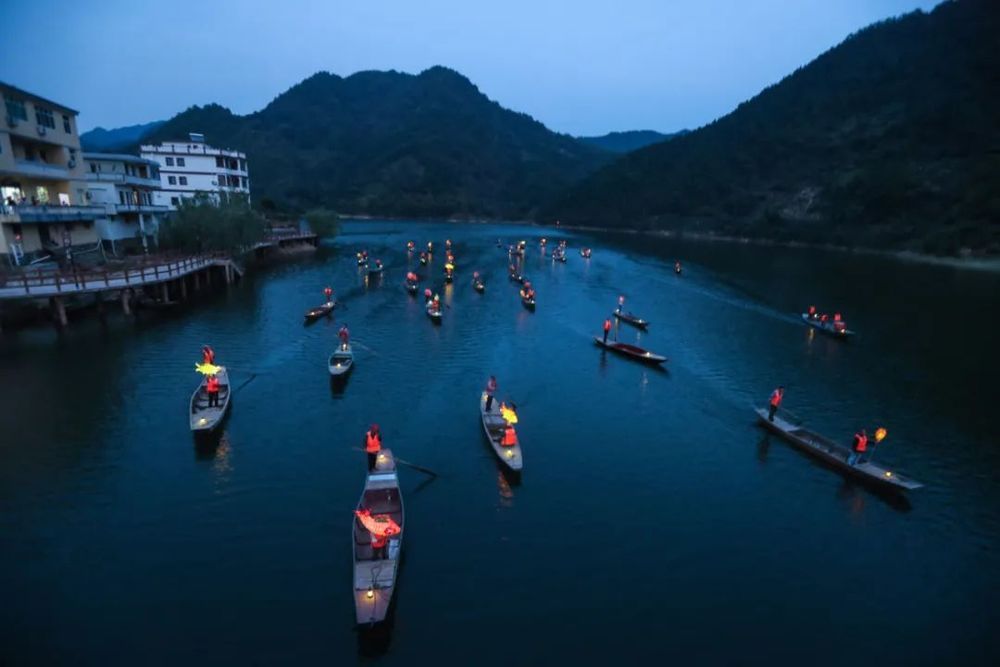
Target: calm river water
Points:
(654, 520)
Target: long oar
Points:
(426, 471)
(246, 382)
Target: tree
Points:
(208, 223)
(323, 222)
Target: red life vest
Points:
(860, 442)
(373, 443)
(378, 541)
(509, 437)
(775, 398)
(607, 325)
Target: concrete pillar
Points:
(126, 299)
(208, 277)
(229, 274)
(166, 292)
(197, 280)
(59, 308)
(184, 288)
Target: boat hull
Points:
(510, 457)
(314, 314)
(374, 578)
(341, 362)
(846, 334)
(628, 318)
(204, 419)
(636, 353)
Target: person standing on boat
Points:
(491, 388)
(207, 355)
(860, 446)
(509, 436)
(812, 312)
(212, 387)
(607, 329)
(345, 336)
(677, 268)
(373, 445)
(775, 401)
(621, 303)
(328, 293)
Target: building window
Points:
(121, 197)
(66, 125)
(180, 162)
(184, 180)
(15, 107)
(246, 183)
(172, 180)
(93, 167)
(218, 161)
(174, 201)
(44, 117)
(170, 162)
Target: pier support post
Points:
(166, 292)
(197, 280)
(59, 308)
(184, 288)
(229, 274)
(208, 277)
(126, 308)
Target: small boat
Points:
(633, 351)
(827, 327)
(494, 425)
(559, 255)
(205, 419)
(375, 577)
(527, 301)
(342, 361)
(412, 287)
(585, 253)
(634, 320)
(517, 277)
(314, 314)
(375, 270)
(479, 286)
(434, 314)
(834, 454)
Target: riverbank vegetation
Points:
(206, 224)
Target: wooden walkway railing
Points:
(152, 270)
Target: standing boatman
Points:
(775, 401)
(373, 445)
(859, 447)
(621, 302)
(607, 328)
(345, 336)
(212, 387)
(328, 293)
(491, 388)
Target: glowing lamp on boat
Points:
(381, 457)
(370, 594)
(888, 473)
(880, 434)
(202, 421)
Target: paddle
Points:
(246, 382)
(426, 471)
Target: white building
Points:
(192, 167)
(126, 186)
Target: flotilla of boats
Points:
(377, 531)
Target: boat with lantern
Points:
(341, 361)
(831, 328)
(379, 508)
(632, 351)
(205, 418)
(494, 425)
(634, 320)
(314, 314)
(834, 454)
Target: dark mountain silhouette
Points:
(394, 144)
(625, 142)
(102, 140)
(890, 140)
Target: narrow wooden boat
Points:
(834, 454)
(434, 314)
(494, 425)
(375, 270)
(527, 301)
(827, 328)
(205, 419)
(632, 351)
(479, 286)
(585, 253)
(632, 319)
(517, 278)
(314, 314)
(375, 576)
(412, 288)
(559, 256)
(341, 361)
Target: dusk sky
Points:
(580, 67)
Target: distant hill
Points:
(889, 140)
(102, 140)
(394, 144)
(625, 142)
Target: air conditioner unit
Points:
(41, 130)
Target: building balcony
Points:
(40, 169)
(37, 214)
(126, 209)
(124, 179)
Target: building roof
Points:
(119, 157)
(37, 98)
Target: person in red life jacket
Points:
(509, 436)
(345, 336)
(824, 318)
(607, 328)
(436, 302)
(328, 293)
(378, 545)
(812, 312)
(207, 355)
(775, 401)
(491, 388)
(859, 447)
(212, 387)
(373, 445)
(838, 323)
